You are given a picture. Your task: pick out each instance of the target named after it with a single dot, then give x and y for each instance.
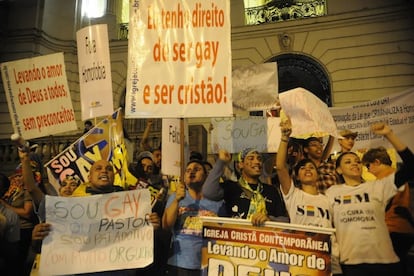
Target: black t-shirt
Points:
(238, 202)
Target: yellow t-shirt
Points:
(81, 190)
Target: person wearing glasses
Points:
(359, 211)
(181, 216)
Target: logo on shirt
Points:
(312, 211)
(350, 199)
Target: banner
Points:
(179, 59)
(97, 233)
(397, 110)
(95, 79)
(38, 96)
(235, 247)
(104, 141)
(256, 87)
(236, 134)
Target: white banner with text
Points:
(97, 233)
(38, 96)
(179, 59)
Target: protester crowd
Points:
(308, 174)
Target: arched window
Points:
(297, 70)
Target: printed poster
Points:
(179, 59)
(104, 141)
(95, 79)
(97, 233)
(235, 247)
(38, 96)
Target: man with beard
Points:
(144, 145)
(181, 216)
(143, 170)
(247, 198)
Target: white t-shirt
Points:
(312, 210)
(308, 209)
(359, 219)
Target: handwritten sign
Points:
(97, 233)
(38, 96)
(179, 56)
(95, 79)
(171, 145)
(236, 134)
(232, 247)
(309, 115)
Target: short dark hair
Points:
(208, 164)
(307, 141)
(201, 162)
(196, 155)
(341, 156)
(379, 153)
(302, 163)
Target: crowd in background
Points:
(303, 172)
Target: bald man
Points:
(100, 180)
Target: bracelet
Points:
(284, 140)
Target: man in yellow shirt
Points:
(100, 180)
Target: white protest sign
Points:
(396, 110)
(97, 233)
(95, 80)
(38, 96)
(179, 59)
(171, 146)
(309, 115)
(256, 87)
(236, 134)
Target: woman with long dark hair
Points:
(359, 211)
